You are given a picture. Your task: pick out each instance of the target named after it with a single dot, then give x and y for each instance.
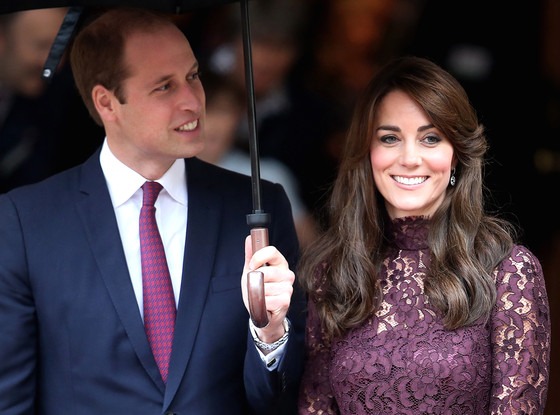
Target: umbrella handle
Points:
(255, 282)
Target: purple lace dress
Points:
(403, 362)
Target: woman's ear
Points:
(454, 162)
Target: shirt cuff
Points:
(272, 359)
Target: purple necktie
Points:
(159, 302)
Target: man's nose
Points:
(191, 97)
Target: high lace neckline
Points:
(410, 232)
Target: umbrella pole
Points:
(258, 219)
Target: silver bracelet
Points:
(269, 347)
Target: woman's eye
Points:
(432, 139)
(388, 139)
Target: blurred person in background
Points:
(224, 112)
(349, 45)
(347, 41)
(34, 114)
(25, 139)
(292, 122)
(25, 41)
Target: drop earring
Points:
(452, 179)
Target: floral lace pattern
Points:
(402, 361)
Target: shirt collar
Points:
(123, 182)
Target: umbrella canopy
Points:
(171, 6)
(258, 219)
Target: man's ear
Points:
(104, 101)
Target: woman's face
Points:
(410, 158)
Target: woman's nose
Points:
(410, 155)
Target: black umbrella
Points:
(258, 219)
(170, 6)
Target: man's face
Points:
(163, 113)
(24, 48)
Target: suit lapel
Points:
(204, 211)
(96, 210)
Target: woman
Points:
(420, 301)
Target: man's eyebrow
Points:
(164, 78)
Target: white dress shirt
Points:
(126, 195)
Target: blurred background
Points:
(311, 59)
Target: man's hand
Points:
(278, 287)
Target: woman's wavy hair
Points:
(340, 270)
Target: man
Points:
(72, 300)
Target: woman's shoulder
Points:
(520, 265)
(521, 255)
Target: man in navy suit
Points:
(72, 338)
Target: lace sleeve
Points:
(316, 396)
(520, 337)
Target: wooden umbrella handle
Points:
(255, 282)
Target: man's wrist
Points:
(269, 347)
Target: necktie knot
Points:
(151, 192)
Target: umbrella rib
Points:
(62, 39)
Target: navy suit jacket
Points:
(71, 337)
